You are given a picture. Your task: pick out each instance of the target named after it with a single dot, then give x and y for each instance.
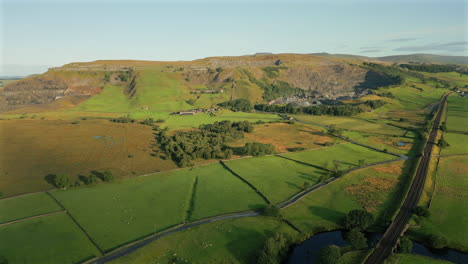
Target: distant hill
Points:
(421, 58)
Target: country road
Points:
(386, 245)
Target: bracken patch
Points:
(371, 192)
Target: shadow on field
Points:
(326, 213)
(50, 179)
(246, 240)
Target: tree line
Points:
(435, 68)
(333, 110)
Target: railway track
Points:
(386, 245)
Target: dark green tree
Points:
(405, 245)
(62, 181)
(358, 219)
(271, 210)
(357, 239)
(329, 255)
(274, 250)
(437, 241)
(421, 211)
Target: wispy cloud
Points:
(402, 39)
(449, 46)
(370, 47)
(370, 50)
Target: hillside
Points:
(175, 86)
(419, 58)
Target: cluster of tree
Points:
(273, 72)
(375, 104)
(275, 89)
(64, 181)
(209, 142)
(443, 126)
(274, 250)
(405, 245)
(356, 221)
(123, 119)
(238, 105)
(271, 210)
(329, 255)
(256, 149)
(387, 94)
(333, 110)
(442, 143)
(435, 68)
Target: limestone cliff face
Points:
(327, 76)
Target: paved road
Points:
(385, 246)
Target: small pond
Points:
(402, 144)
(306, 253)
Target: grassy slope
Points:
(51, 239)
(324, 209)
(233, 241)
(448, 205)
(218, 191)
(347, 155)
(26, 206)
(277, 178)
(117, 213)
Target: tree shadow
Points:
(50, 179)
(327, 214)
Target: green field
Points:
(373, 188)
(415, 259)
(233, 241)
(218, 191)
(53, 239)
(123, 211)
(458, 143)
(347, 156)
(27, 206)
(352, 123)
(457, 116)
(383, 142)
(275, 177)
(449, 210)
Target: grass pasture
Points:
(351, 123)
(347, 156)
(53, 239)
(457, 115)
(458, 143)
(277, 178)
(234, 241)
(26, 206)
(32, 149)
(383, 142)
(218, 191)
(297, 135)
(449, 210)
(372, 188)
(120, 212)
(415, 259)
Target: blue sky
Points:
(38, 34)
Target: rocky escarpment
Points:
(243, 77)
(56, 84)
